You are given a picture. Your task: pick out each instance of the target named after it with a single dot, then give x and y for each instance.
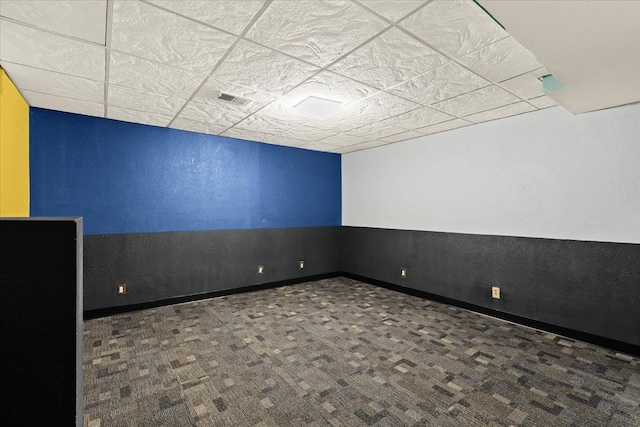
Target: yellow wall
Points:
(14, 150)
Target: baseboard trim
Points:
(110, 311)
(608, 343)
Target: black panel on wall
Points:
(165, 266)
(41, 306)
(589, 287)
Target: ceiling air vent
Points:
(238, 100)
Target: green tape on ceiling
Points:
(550, 83)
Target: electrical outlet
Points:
(403, 273)
(495, 292)
(122, 288)
(260, 269)
(301, 265)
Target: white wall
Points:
(543, 174)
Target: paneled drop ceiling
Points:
(401, 69)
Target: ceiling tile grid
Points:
(401, 69)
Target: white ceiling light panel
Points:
(502, 60)
(40, 49)
(455, 27)
(232, 16)
(326, 85)
(474, 102)
(59, 103)
(151, 33)
(317, 31)
(52, 83)
(437, 85)
(85, 20)
(389, 59)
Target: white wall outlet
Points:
(495, 292)
(301, 265)
(260, 269)
(403, 273)
(122, 288)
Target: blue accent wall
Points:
(130, 178)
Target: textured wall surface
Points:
(589, 287)
(129, 178)
(160, 266)
(543, 174)
(14, 150)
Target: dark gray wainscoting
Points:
(588, 287)
(166, 266)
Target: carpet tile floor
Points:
(338, 352)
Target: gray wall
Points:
(589, 287)
(167, 265)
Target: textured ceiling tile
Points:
(525, 86)
(58, 103)
(218, 115)
(148, 76)
(378, 107)
(39, 49)
(152, 33)
(318, 146)
(391, 58)
(199, 127)
(365, 145)
(473, 102)
(437, 85)
(377, 130)
(266, 125)
(52, 83)
(286, 140)
(80, 19)
(307, 133)
(324, 85)
(393, 10)
(232, 16)
(257, 67)
(402, 136)
(247, 135)
(341, 122)
(454, 27)
(418, 118)
(501, 60)
(441, 127)
(543, 102)
(133, 99)
(498, 113)
(134, 116)
(343, 139)
(315, 31)
(211, 90)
